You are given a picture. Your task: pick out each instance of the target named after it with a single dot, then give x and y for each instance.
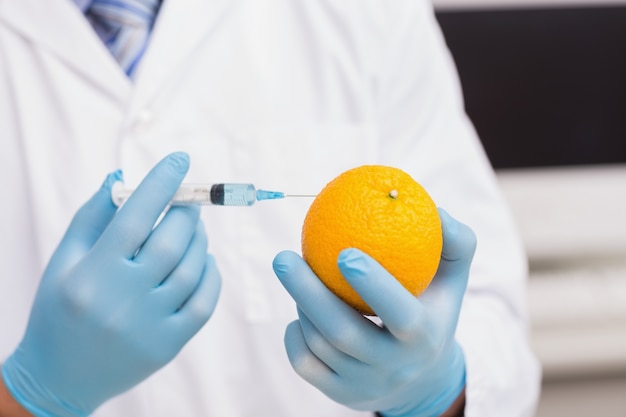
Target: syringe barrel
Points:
(221, 194)
(226, 194)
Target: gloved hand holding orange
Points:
(372, 241)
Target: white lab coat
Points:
(282, 93)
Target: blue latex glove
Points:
(117, 301)
(410, 366)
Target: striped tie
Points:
(124, 27)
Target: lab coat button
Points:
(141, 122)
(145, 117)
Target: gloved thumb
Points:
(450, 282)
(86, 227)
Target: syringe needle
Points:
(274, 195)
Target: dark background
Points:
(544, 87)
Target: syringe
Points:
(221, 194)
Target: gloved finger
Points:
(399, 310)
(87, 226)
(181, 283)
(325, 351)
(449, 285)
(340, 324)
(199, 307)
(168, 243)
(305, 363)
(136, 218)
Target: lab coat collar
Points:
(59, 27)
(180, 26)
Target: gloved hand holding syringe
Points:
(220, 194)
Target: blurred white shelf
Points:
(569, 214)
(578, 318)
(583, 296)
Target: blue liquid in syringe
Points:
(240, 194)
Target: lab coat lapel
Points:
(59, 27)
(180, 27)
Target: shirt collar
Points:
(83, 5)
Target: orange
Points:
(385, 213)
